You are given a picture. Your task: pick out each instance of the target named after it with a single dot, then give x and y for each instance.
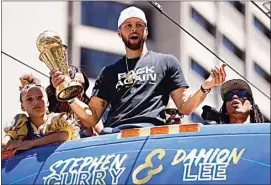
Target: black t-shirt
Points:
(143, 99)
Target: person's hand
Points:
(12, 144)
(7, 154)
(216, 78)
(6, 129)
(25, 145)
(57, 77)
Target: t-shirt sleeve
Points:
(18, 128)
(101, 87)
(62, 122)
(175, 76)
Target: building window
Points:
(93, 61)
(105, 15)
(262, 72)
(233, 48)
(198, 69)
(195, 118)
(261, 27)
(101, 14)
(202, 22)
(238, 6)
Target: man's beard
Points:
(131, 46)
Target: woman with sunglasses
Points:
(37, 127)
(56, 106)
(239, 105)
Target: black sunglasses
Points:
(173, 112)
(240, 93)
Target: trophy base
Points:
(68, 90)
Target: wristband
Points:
(71, 101)
(205, 91)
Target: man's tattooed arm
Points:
(90, 114)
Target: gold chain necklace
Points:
(131, 75)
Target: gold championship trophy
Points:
(54, 54)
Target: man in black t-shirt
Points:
(138, 85)
(143, 97)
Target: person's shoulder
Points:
(60, 115)
(113, 66)
(56, 118)
(109, 69)
(59, 120)
(165, 59)
(165, 56)
(20, 117)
